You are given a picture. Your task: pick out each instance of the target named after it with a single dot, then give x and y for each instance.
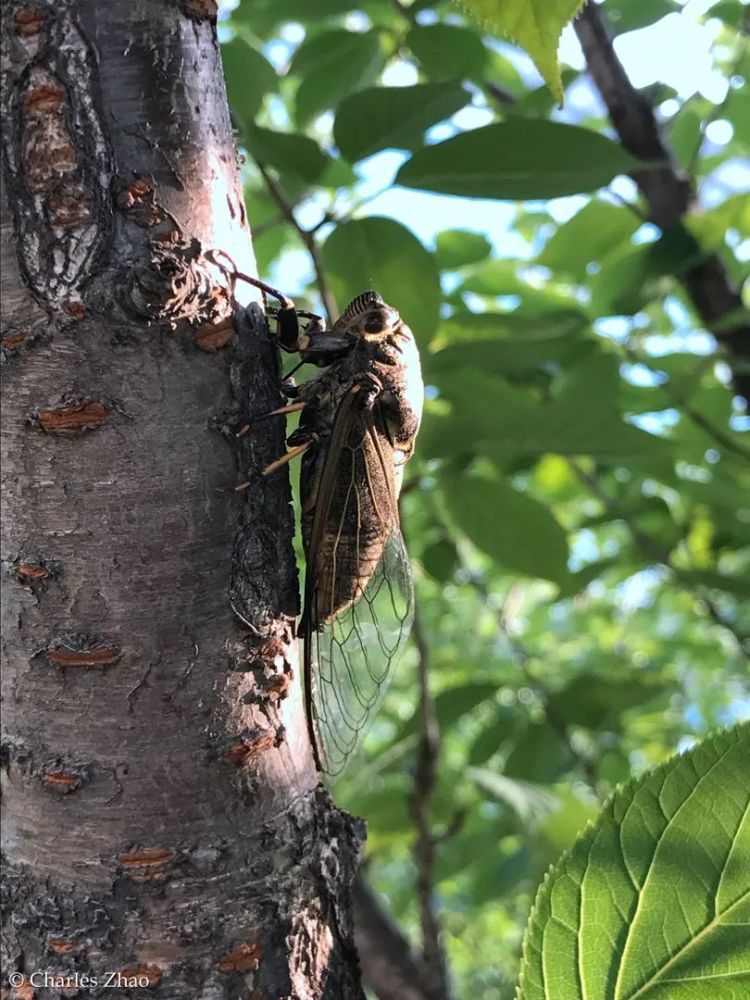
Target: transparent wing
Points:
(350, 658)
(358, 584)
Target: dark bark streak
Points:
(161, 809)
(668, 194)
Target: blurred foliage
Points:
(578, 510)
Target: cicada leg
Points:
(279, 411)
(294, 452)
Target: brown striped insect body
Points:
(359, 419)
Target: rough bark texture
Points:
(162, 816)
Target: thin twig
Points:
(308, 239)
(425, 779)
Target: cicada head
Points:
(368, 316)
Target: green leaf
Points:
(653, 901)
(511, 527)
(504, 726)
(629, 15)
(382, 254)
(710, 227)
(448, 51)
(494, 278)
(731, 12)
(440, 559)
(333, 65)
(249, 78)
(530, 802)
(590, 235)
(393, 117)
(456, 248)
(737, 585)
(517, 159)
(451, 705)
(508, 354)
(536, 25)
(289, 154)
(518, 423)
(540, 754)
(592, 700)
(640, 274)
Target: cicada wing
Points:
(358, 584)
(349, 659)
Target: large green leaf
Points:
(384, 255)
(249, 78)
(595, 231)
(511, 527)
(289, 154)
(517, 159)
(535, 24)
(448, 51)
(332, 65)
(653, 901)
(393, 117)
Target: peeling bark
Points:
(162, 816)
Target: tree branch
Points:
(425, 779)
(308, 239)
(389, 966)
(668, 194)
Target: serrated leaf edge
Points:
(732, 736)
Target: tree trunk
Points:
(162, 815)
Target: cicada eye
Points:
(374, 323)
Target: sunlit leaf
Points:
(654, 899)
(535, 24)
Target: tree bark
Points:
(162, 815)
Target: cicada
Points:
(359, 420)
